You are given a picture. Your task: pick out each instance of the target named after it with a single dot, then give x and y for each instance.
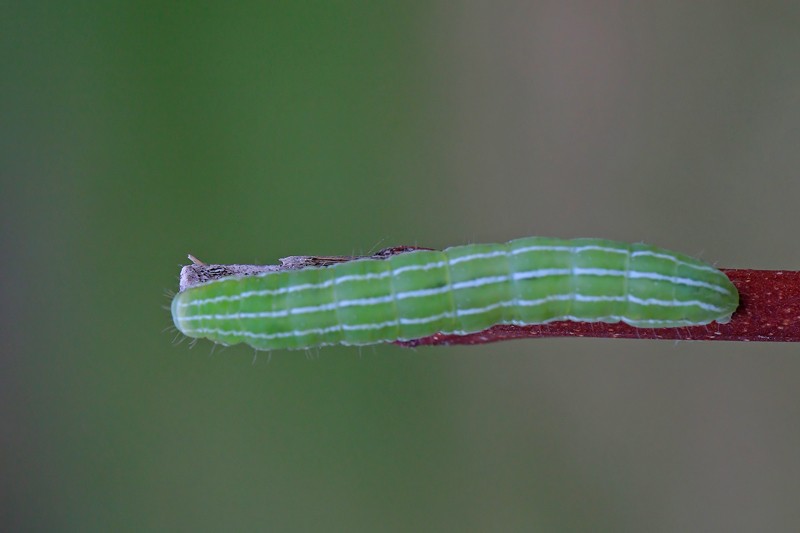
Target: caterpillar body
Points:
(461, 290)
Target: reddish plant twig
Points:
(769, 310)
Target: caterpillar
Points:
(461, 290)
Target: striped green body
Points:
(460, 290)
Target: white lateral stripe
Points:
(537, 248)
(421, 293)
(479, 310)
(381, 325)
(546, 299)
(373, 275)
(570, 249)
(425, 320)
(362, 302)
(266, 336)
(704, 268)
(634, 274)
(427, 266)
(359, 277)
(466, 312)
(675, 303)
(441, 264)
(539, 273)
(480, 282)
(309, 286)
(594, 247)
(485, 255)
(498, 279)
(542, 273)
(678, 280)
(303, 333)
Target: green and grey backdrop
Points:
(134, 133)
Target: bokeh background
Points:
(136, 132)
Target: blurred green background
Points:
(136, 132)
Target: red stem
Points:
(769, 310)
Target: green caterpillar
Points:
(461, 290)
